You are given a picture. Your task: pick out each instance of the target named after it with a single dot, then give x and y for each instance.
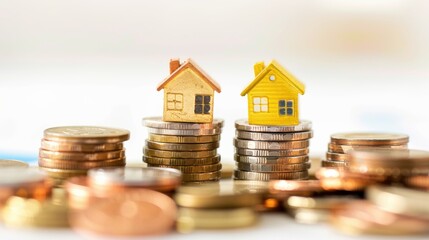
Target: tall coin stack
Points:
(72, 150)
(188, 147)
(265, 152)
(343, 142)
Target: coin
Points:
(419, 181)
(227, 171)
(181, 161)
(330, 163)
(272, 153)
(342, 180)
(215, 195)
(208, 176)
(242, 175)
(133, 212)
(12, 163)
(181, 146)
(174, 132)
(326, 203)
(63, 173)
(335, 148)
(336, 156)
(263, 136)
(84, 165)
(172, 154)
(75, 147)
(77, 156)
(273, 167)
(160, 179)
(17, 176)
(190, 219)
(309, 216)
(245, 126)
(271, 160)
(193, 169)
(156, 122)
(277, 186)
(369, 139)
(183, 139)
(249, 144)
(86, 134)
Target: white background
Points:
(86, 62)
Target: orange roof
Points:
(196, 69)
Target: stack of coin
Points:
(216, 206)
(343, 142)
(188, 147)
(264, 152)
(72, 150)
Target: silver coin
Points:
(135, 176)
(16, 176)
(249, 167)
(269, 153)
(256, 176)
(176, 132)
(181, 161)
(182, 146)
(240, 143)
(263, 136)
(244, 125)
(156, 122)
(271, 160)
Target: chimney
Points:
(174, 64)
(259, 66)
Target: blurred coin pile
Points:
(188, 147)
(343, 142)
(72, 150)
(264, 152)
(123, 201)
(216, 206)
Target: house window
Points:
(174, 101)
(202, 104)
(260, 104)
(286, 107)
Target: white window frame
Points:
(260, 104)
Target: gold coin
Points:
(268, 145)
(181, 146)
(338, 164)
(76, 156)
(249, 167)
(197, 177)
(272, 153)
(63, 173)
(325, 203)
(271, 160)
(369, 139)
(219, 195)
(171, 154)
(193, 132)
(335, 148)
(181, 161)
(193, 169)
(83, 165)
(336, 156)
(12, 163)
(183, 139)
(190, 219)
(256, 176)
(76, 147)
(86, 134)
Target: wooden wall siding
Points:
(275, 91)
(189, 84)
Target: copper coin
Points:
(86, 134)
(173, 154)
(133, 212)
(182, 146)
(76, 147)
(79, 192)
(256, 176)
(390, 157)
(339, 179)
(295, 185)
(63, 173)
(183, 139)
(193, 169)
(198, 177)
(336, 156)
(80, 165)
(419, 181)
(336, 148)
(12, 163)
(369, 139)
(75, 156)
(329, 163)
(181, 161)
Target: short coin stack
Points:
(72, 150)
(188, 147)
(265, 153)
(343, 142)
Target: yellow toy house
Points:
(273, 96)
(188, 93)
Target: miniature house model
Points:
(273, 96)
(188, 93)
